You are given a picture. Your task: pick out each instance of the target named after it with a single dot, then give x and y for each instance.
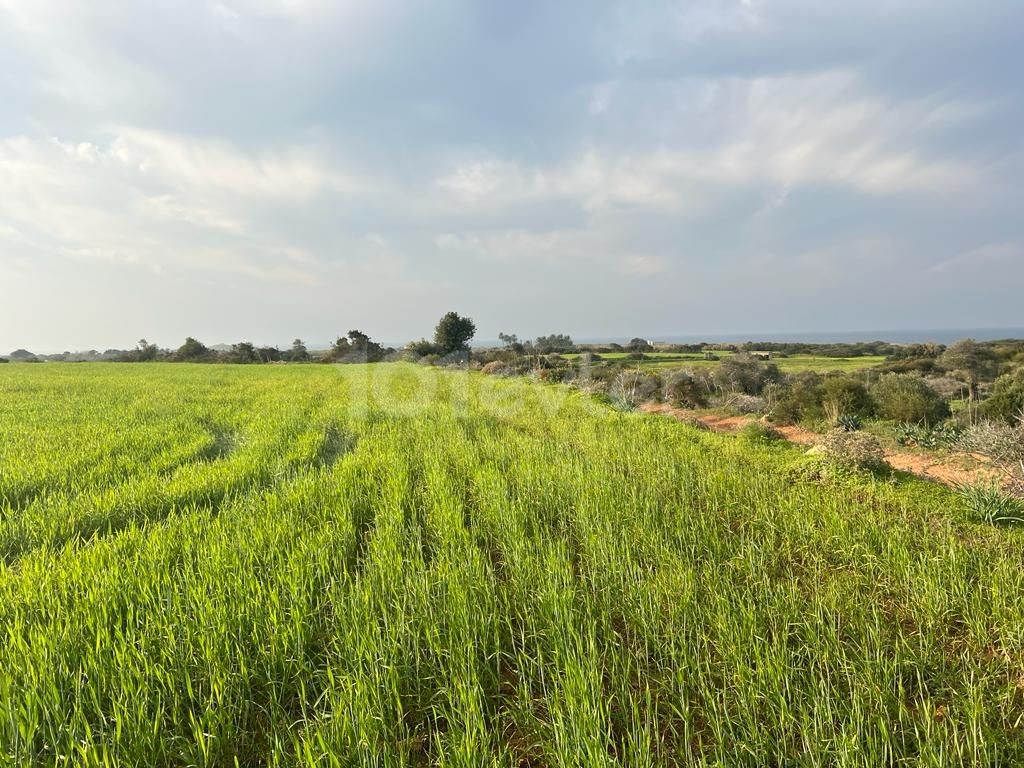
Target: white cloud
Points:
(158, 199)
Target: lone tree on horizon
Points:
(453, 334)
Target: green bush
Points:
(798, 399)
(759, 432)
(907, 398)
(844, 397)
(988, 503)
(1006, 402)
(744, 374)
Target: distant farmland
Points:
(393, 565)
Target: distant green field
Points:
(794, 363)
(393, 565)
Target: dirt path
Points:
(951, 470)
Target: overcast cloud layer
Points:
(265, 169)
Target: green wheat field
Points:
(391, 565)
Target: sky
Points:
(269, 169)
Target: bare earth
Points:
(949, 469)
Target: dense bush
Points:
(853, 449)
(844, 397)
(907, 398)
(687, 388)
(742, 373)
(799, 399)
(1007, 400)
(759, 432)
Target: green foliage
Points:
(1006, 403)
(298, 353)
(453, 334)
(928, 436)
(556, 342)
(357, 347)
(844, 397)
(400, 565)
(988, 503)
(243, 352)
(907, 398)
(193, 351)
(971, 359)
(759, 432)
(422, 348)
(745, 374)
(799, 399)
(850, 422)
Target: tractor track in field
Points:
(952, 470)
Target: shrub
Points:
(631, 388)
(742, 373)
(429, 360)
(1003, 444)
(988, 503)
(842, 396)
(496, 368)
(1007, 399)
(746, 404)
(799, 399)
(858, 450)
(907, 398)
(759, 432)
(686, 389)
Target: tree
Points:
(298, 353)
(243, 352)
(356, 348)
(556, 342)
(453, 333)
(192, 350)
(511, 341)
(339, 350)
(146, 351)
(638, 345)
(973, 361)
(268, 354)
